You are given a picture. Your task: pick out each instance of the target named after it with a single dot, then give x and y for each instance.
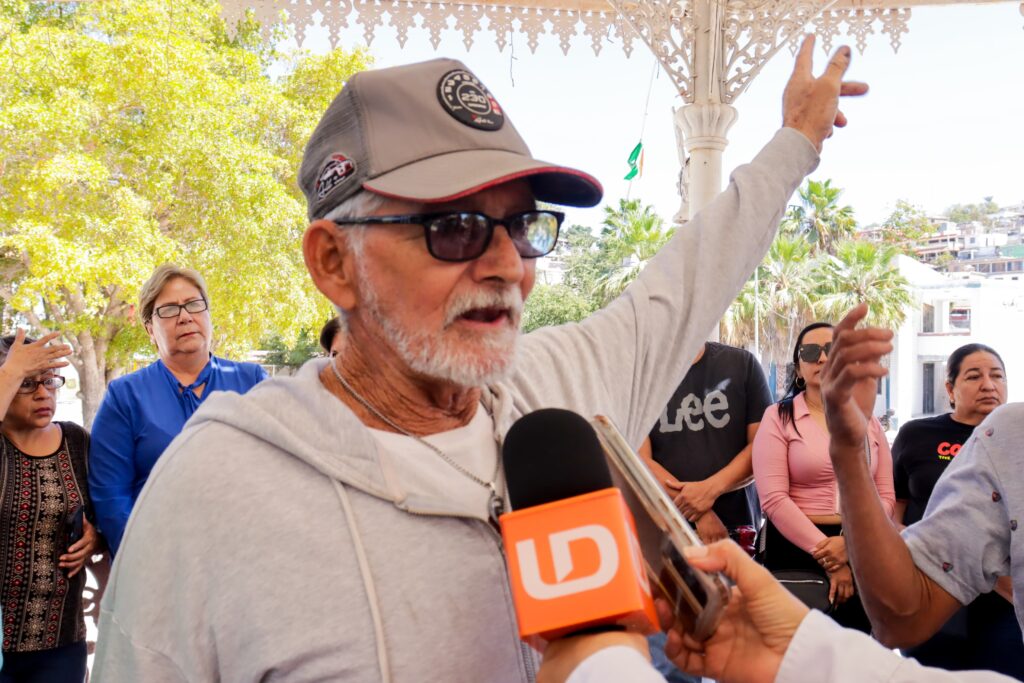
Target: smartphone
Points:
(698, 598)
(74, 527)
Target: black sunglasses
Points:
(465, 235)
(810, 353)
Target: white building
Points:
(69, 406)
(550, 270)
(952, 309)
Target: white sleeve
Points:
(824, 652)
(618, 664)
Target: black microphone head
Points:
(551, 454)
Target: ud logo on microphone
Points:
(561, 555)
(575, 563)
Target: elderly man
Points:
(339, 525)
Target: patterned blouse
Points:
(42, 608)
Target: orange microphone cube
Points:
(576, 563)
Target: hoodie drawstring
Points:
(368, 585)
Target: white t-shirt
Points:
(420, 471)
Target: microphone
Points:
(574, 561)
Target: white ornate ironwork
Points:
(711, 49)
(755, 29)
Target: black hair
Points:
(956, 361)
(792, 388)
(328, 333)
(7, 343)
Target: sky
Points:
(942, 124)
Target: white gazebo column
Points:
(704, 129)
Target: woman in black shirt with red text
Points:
(985, 634)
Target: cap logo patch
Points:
(336, 169)
(468, 101)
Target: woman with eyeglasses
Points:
(143, 411)
(984, 634)
(45, 531)
(802, 535)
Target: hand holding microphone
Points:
(747, 647)
(759, 623)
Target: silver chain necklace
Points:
(495, 504)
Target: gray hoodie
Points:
(272, 543)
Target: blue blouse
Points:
(139, 417)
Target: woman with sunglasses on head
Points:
(45, 534)
(984, 634)
(798, 489)
(142, 412)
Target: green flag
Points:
(635, 161)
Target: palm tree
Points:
(863, 272)
(781, 301)
(632, 235)
(819, 217)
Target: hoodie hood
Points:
(302, 419)
(299, 416)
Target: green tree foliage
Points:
(554, 305)
(906, 226)
(134, 132)
(819, 218)
(863, 272)
(802, 280)
(585, 261)
(633, 233)
(780, 299)
(966, 213)
(284, 354)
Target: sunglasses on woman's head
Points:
(465, 235)
(810, 353)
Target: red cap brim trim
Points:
(554, 170)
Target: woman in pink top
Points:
(797, 486)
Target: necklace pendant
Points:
(496, 506)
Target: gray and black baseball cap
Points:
(427, 132)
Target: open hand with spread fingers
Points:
(28, 360)
(811, 105)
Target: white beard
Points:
(466, 361)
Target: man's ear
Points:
(331, 263)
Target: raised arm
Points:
(626, 360)
(883, 472)
(905, 606)
(25, 361)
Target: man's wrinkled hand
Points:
(811, 105)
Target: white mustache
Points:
(511, 299)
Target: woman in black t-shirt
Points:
(985, 634)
